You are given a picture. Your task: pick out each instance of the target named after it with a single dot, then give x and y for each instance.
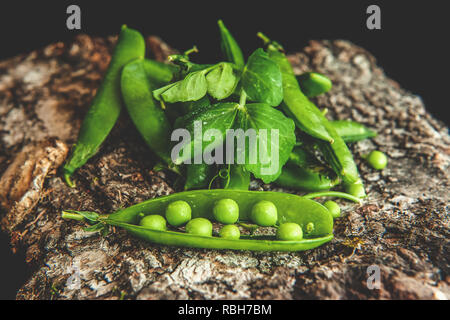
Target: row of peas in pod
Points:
(225, 211)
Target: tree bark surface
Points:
(402, 227)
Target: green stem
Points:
(242, 99)
(68, 180)
(263, 37)
(192, 50)
(332, 194)
(71, 215)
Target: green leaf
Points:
(191, 88)
(96, 227)
(262, 80)
(157, 93)
(230, 47)
(219, 116)
(221, 81)
(261, 116)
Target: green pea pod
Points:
(238, 178)
(301, 178)
(313, 218)
(339, 157)
(147, 116)
(158, 73)
(313, 84)
(198, 176)
(305, 114)
(105, 108)
(230, 47)
(304, 172)
(352, 131)
(302, 158)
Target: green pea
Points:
(178, 213)
(226, 211)
(356, 189)
(377, 160)
(230, 231)
(199, 227)
(333, 207)
(289, 231)
(264, 213)
(154, 222)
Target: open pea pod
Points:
(315, 220)
(253, 243)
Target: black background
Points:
(409, 47)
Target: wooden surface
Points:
(402, 227)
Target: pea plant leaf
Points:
(218, 117)
(191, 88)
(275, 139)
(261, 79)
(221, 81)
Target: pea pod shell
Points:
(106, 106)
(147, 116)
(303, 178)
(291, 208)
(305, 114)
(352, 131)
(313, 84)
(159, 73)
(339, 157)
(171, 238)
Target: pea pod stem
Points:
(71, 215)
(337, 194)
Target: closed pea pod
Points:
(304, 172)
(159, 73)
(106, 106)
(352, 131)
(313, 84)
(291, 208)
(147, 116)
(339, 157)
(305, 114)
(301, 178)
(311, 120)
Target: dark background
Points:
(409, 47)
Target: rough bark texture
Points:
(402, 227)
